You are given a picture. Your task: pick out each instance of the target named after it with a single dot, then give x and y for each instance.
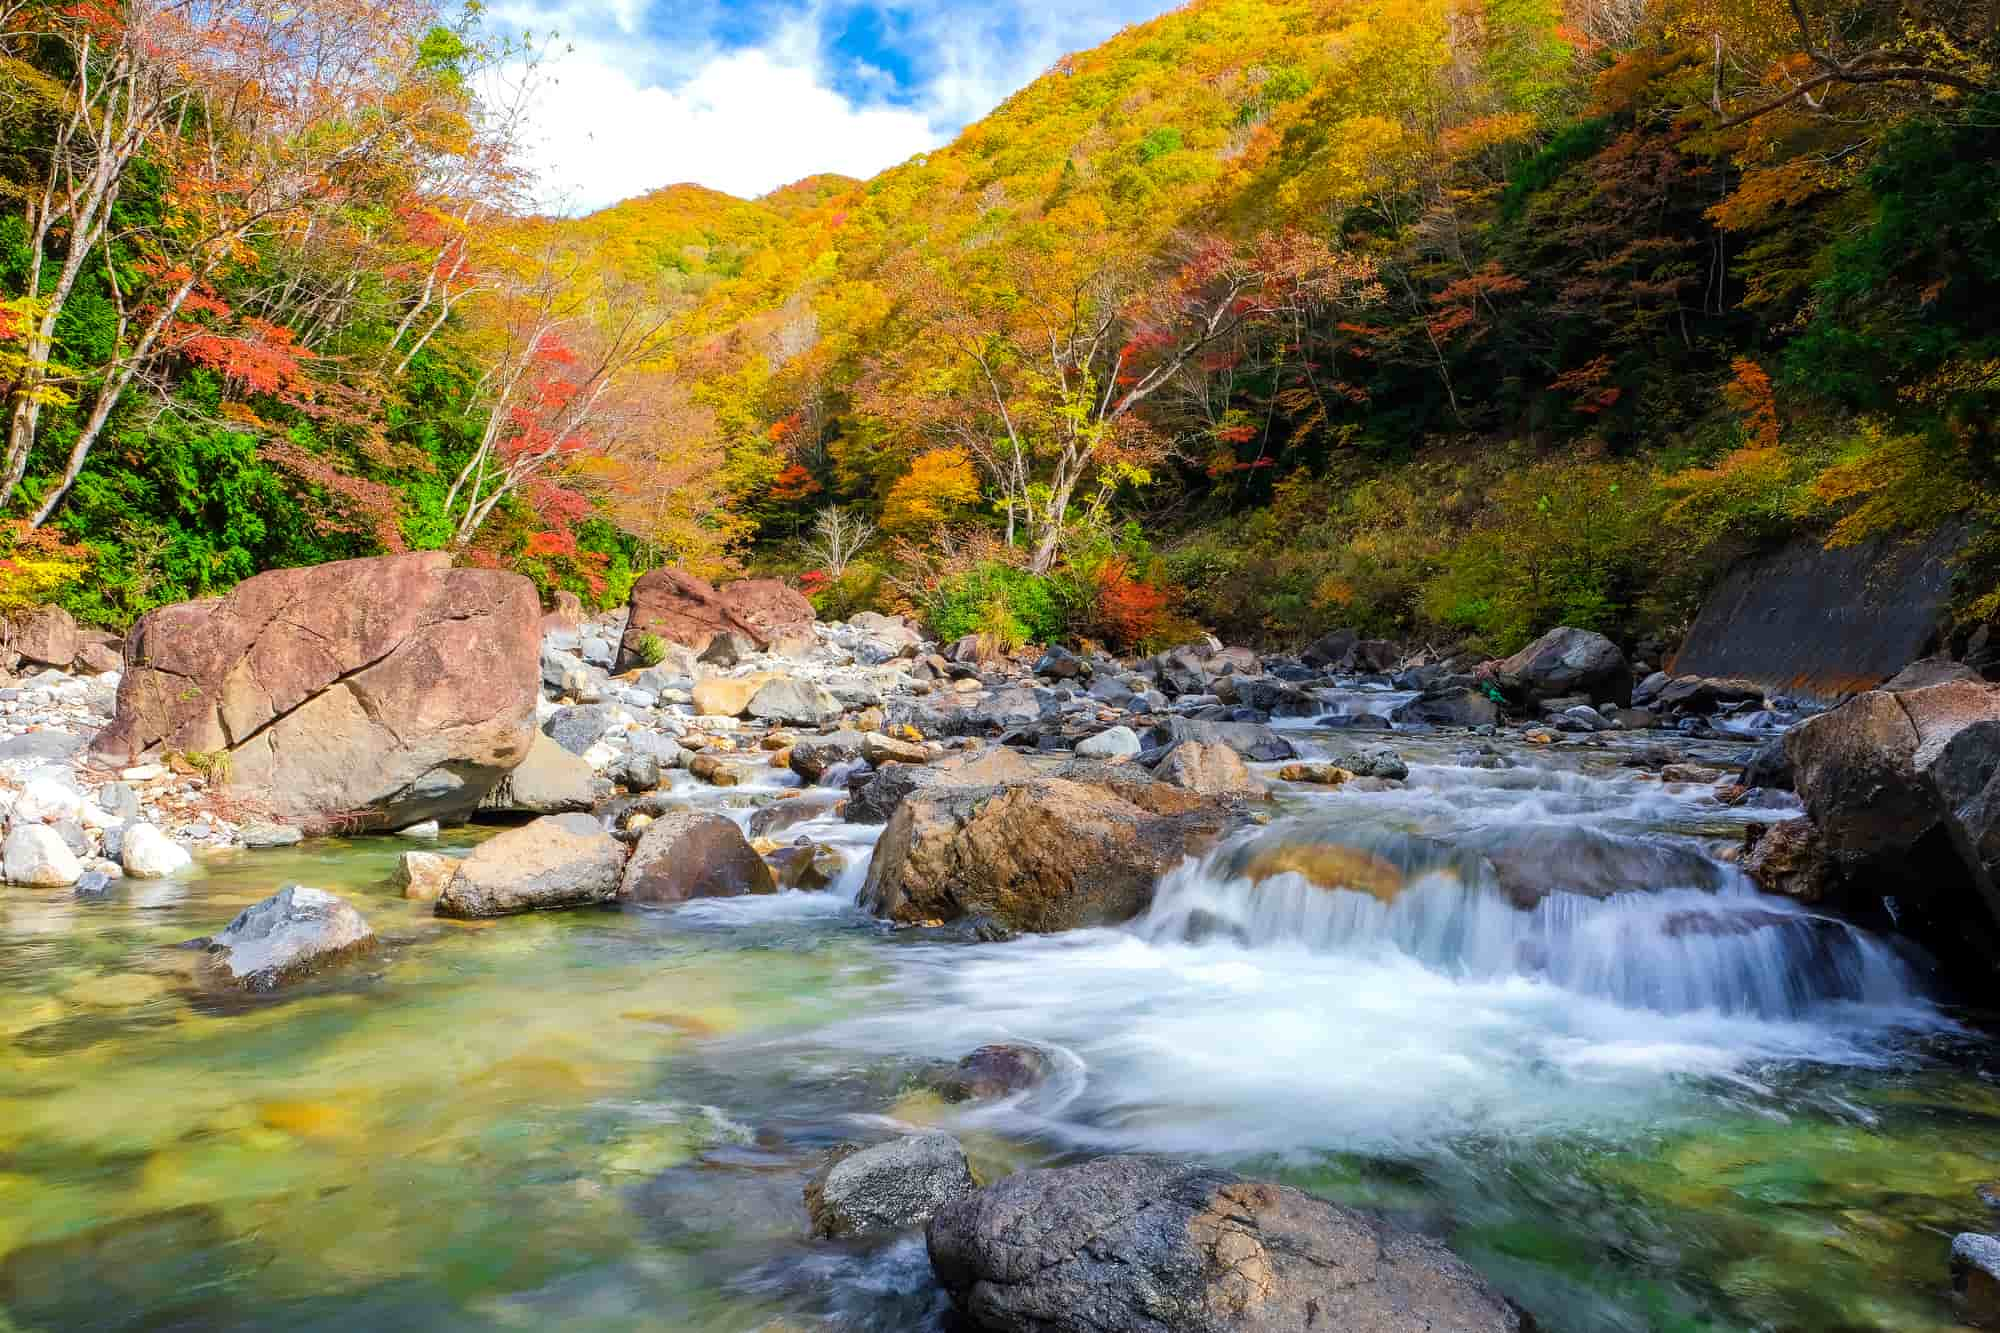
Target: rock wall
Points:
(1819, 624)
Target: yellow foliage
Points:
(1889, 483)
(938, 484)
(35, 565)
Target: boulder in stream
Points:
(1450, 706)
(557, 861)
(1567, 661)
(1081, 848)
(295, 933)
(998, 1070)
(1141, 1245)
(685, 854)
(889, 1187)
(1254, 741)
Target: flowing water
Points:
(1652, 1100)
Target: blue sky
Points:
(748, 95)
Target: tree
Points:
(839, 535)
(938, 485)
(555, 340)
(1804, 54)
(1047, 363)
(262, 118)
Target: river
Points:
(1686, 1108)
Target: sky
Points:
(747, 95)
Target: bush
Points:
(652, 650)
(1004, 602)
(857, 590)
(35, 565)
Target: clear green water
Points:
(601, 1120)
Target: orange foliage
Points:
(1129, 612)
(1750, 394)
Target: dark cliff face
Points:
(1819, 624)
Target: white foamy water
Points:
(1283, 1016)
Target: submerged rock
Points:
(1139, 1245)
(1531, 861)
(1975, 1278)
(889, 1187)
(557, 861)
(998, 1070)
(291, 935)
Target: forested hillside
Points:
(1435, 317)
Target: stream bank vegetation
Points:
(1446, 319)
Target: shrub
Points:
(1002, 601)
(1129, 613)
(35, 565)
(652, 649)
(858, 589)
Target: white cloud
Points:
(744, 123)
(625, 106)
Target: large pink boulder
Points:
(361, 694)
(681, 609)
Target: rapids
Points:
(1637, 1094)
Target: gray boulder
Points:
(35, 854)
(1703, 696)
(1375, 761)
(289, 936)
(793, 703)
(44, 745)
(637, 772)
(1115, 743)
(1567, 661)
(1769, 767)
(578, 728)
(1455, 706)
(557, 861)
(1251, 740)
(889, 1187)
(557, 665)
(1140, 1245)
(877, 798)
(550, 781)
(1061, 664)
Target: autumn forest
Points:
(1445, 319)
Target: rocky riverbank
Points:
(708, 744)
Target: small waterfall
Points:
(1669, 949)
